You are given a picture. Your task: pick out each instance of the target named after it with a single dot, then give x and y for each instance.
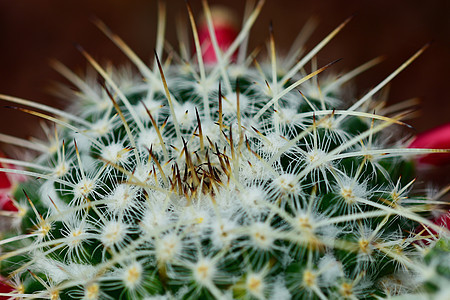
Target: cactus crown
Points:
(238, 179)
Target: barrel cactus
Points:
(234, 177)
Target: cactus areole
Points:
(224, 176)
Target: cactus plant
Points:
(239, 178)
(436, 274)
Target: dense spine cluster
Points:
(240, 179)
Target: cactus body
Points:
(218, 181)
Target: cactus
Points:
(436, 273)
(237, 178)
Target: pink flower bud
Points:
(6, 202)
(5, 287)
(436, 138)
(225, 28)
(5, 183)
(8, 183)
(443, 220)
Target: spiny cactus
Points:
(240, 178)
(435, 274)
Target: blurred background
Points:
(32, 32)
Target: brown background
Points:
(31, 32)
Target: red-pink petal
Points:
(6, 202)
(5, 288)
(436, 138)
(442, 220)
(5, 183)
(225, 29)
(8, 182)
